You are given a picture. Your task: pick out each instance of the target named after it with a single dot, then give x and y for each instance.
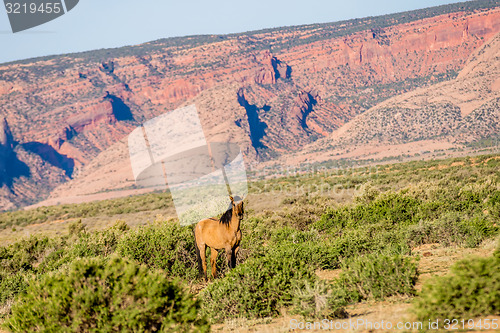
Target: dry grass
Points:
(60, 227)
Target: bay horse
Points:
(218, 234)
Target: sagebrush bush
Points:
(76, 228)
(97, 243)
(11, 285)
(19, 262)
(472, 289)
(366, 194)
(376, 276)
(494, 202)
(105, 296)
(462, 216)
(82, 244)
(259, 287)
(317, 301)
(37, 255)
(308, 246)
(163, 244)
(452, 228)
(389, 208)
(22, 255)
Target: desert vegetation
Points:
(471, 289)
(363, 223)
(146, 202)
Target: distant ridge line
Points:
(330, 30)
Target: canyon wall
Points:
(274, 91)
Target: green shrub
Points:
(22, 255)
(81, 243)
(19, 262)
(452, 228)
(317, 301)
(308, 246)
(471, 289)
(76, 228)
(390, 208)
(93, 245)
(37, 255)
(494, 202)
(288, 234)
(259, 287)
(376, 276)
(164, 245)
(367, 193)
(328, 253)
(105, 296)
(256, 232)
(11, 285)
(55, 259)
(97, 243)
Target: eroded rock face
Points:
(6, 139)
(10, 166)
(6, 150)
(460, 111)
(305, 103)
(256, 127)
(90, 117)
(271, 69)
(339, 69)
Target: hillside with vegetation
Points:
(323, 244)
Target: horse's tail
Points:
(198, 256)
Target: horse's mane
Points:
(227, 216)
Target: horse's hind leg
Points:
(200, 255)
(202, 259)
(229, 258)
(233, 257)
(213, 261)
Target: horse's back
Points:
(215, 234)
(205, 225)
(208, 232)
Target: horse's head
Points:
(238, 209)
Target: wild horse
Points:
(218, 234)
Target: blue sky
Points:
(95, 24)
